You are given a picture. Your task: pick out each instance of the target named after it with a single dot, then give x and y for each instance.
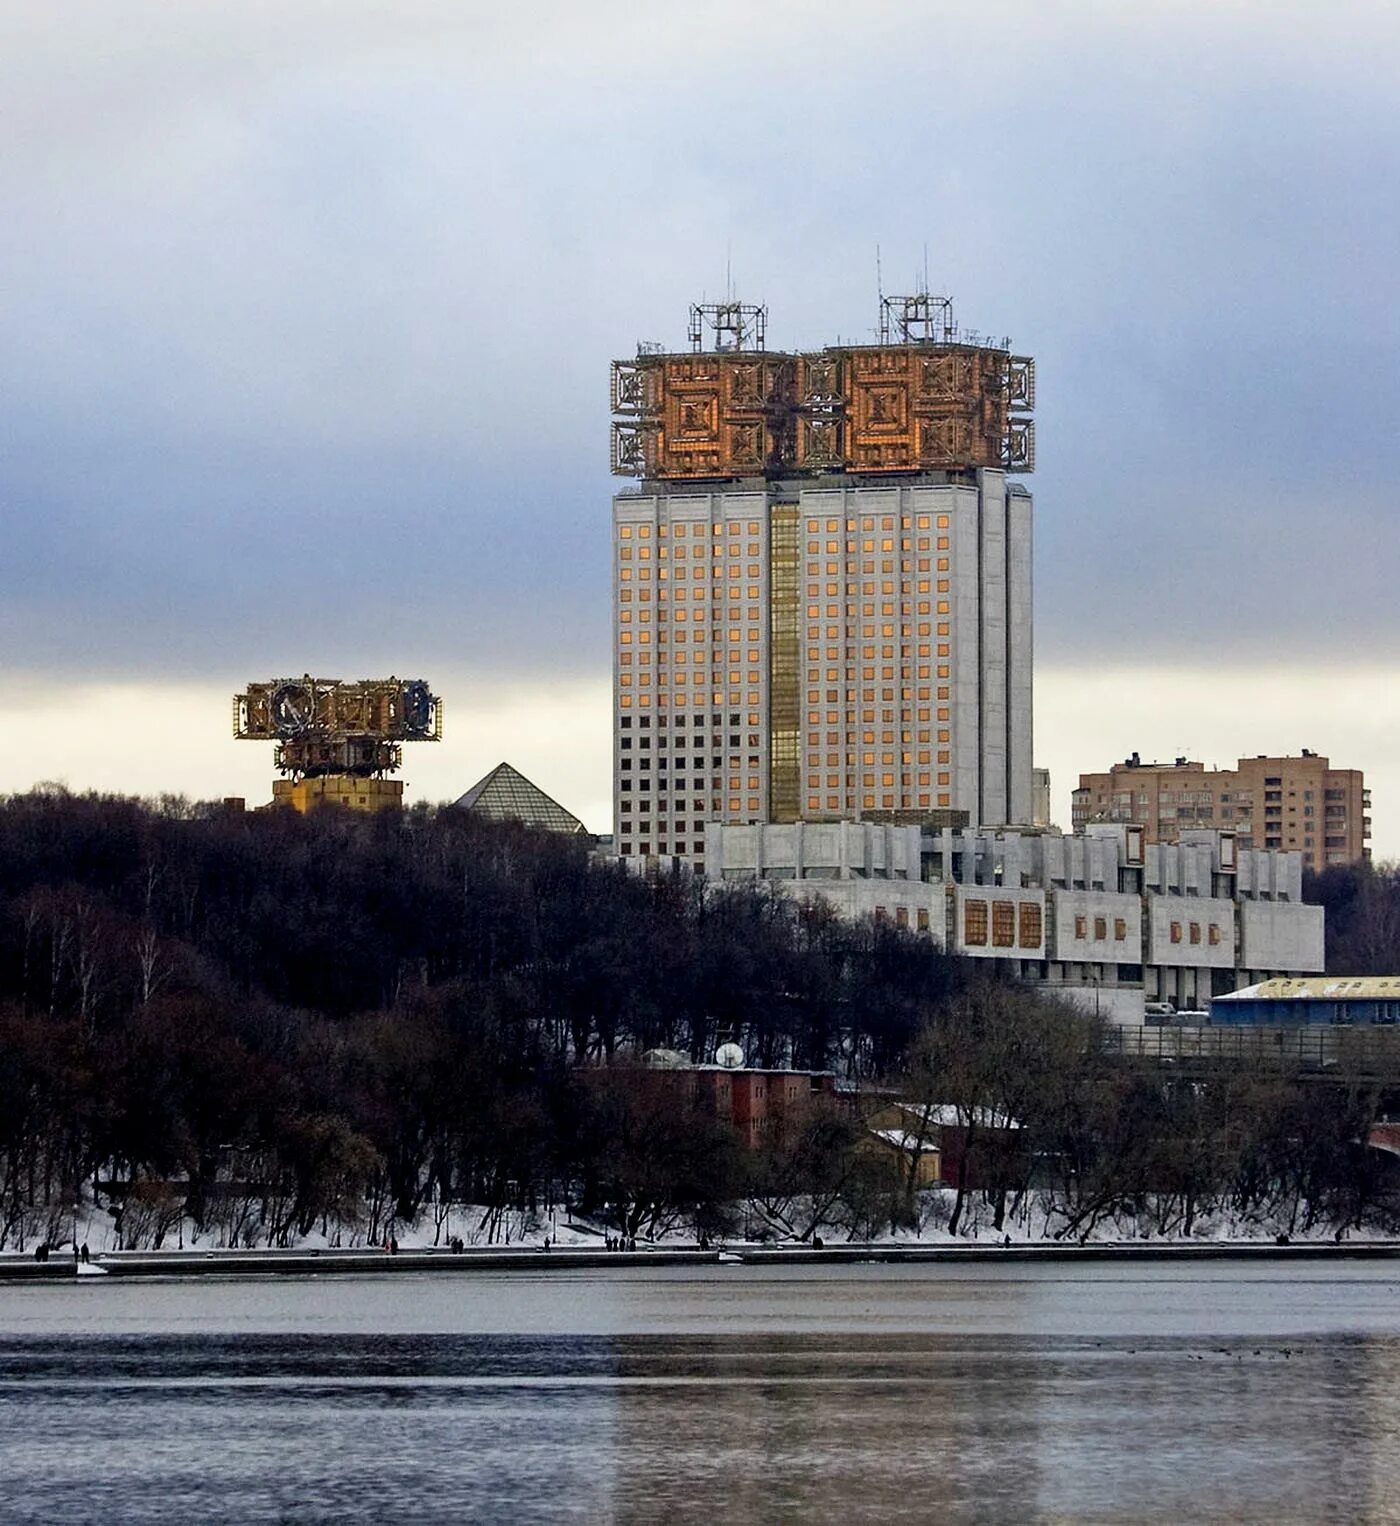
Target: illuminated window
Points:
(1003, 924)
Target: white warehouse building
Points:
(1102, 916)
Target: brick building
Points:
(1300, 805)
(753, 1101)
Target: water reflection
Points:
(255, 1428)
(722, 1419)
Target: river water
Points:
(1147, 1393)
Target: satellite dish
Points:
(730, 1056)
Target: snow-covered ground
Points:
(1037, 1219)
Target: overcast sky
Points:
(306, 309)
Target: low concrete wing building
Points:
(1191, 930)
(1103, 916)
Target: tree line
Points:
(263, 1024)
(1362, 903)
(329, 1018)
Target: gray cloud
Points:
(309, 305)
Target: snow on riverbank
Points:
(1037, 1220)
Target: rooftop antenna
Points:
(735, 325)
(880, 295)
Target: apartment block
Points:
(1291, 804)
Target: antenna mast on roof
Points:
(879, 280)
(920, 319)
(735, 325)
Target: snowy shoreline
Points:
(377, 1262)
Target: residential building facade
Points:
(1292, 804)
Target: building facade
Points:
(822, 587)
(1103, 917)
(1301, 804)
(756, 1103)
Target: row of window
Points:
(737, 807)
(644, 849)
(726, 621)
(725, 596)
(907, 672)
(861, 571)
(901, 917)
(701, 529)
(1002, 924)
(887, 589)
(903, 802)
(854, 566)
(717, 720)
(1193, 933)
(1081, 929)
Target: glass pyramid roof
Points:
(507, 795)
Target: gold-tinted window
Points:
(1003, 924)
(975, 924)
(1030, 924)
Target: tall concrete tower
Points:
(822, 584)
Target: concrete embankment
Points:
(306, 1263)
(375, 1262)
